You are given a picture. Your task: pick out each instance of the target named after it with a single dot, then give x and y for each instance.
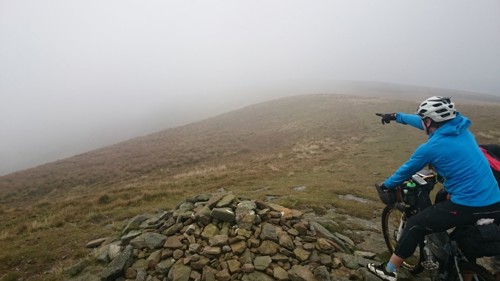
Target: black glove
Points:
(387, 117)
(381, 187)
(387, 196)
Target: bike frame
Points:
(442, 256)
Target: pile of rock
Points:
(221, 237)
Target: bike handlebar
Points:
(406, 192)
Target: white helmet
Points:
(438, 109)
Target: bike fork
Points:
(402, 224)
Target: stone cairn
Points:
(219, 237)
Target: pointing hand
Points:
(387, 117)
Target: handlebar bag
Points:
(389, 196)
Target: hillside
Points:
(259, 129)
(330, 145)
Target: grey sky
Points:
(76, 75)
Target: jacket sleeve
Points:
(416, 162)
(409, 119)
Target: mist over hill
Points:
(408, 92)
(261, 128)
(27, 152)
(258, 128)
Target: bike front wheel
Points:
(392, 217)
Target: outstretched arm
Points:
(403, 118)
(409, 119)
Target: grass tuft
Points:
(104, 199)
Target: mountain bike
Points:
(438, 253)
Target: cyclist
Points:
(453, 152)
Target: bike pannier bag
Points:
(478, 241)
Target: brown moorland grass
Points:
(331, 145)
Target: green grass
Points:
(332, 145)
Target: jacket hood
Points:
(455, 126)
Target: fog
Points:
(79, 75)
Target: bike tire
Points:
(391, 217)
(480, 272)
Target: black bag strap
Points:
(492, 149)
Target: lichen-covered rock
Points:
(301, 273)
(118, 266)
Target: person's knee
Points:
(416, 226)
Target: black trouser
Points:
(440, 217)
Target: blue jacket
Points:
(455, 155)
